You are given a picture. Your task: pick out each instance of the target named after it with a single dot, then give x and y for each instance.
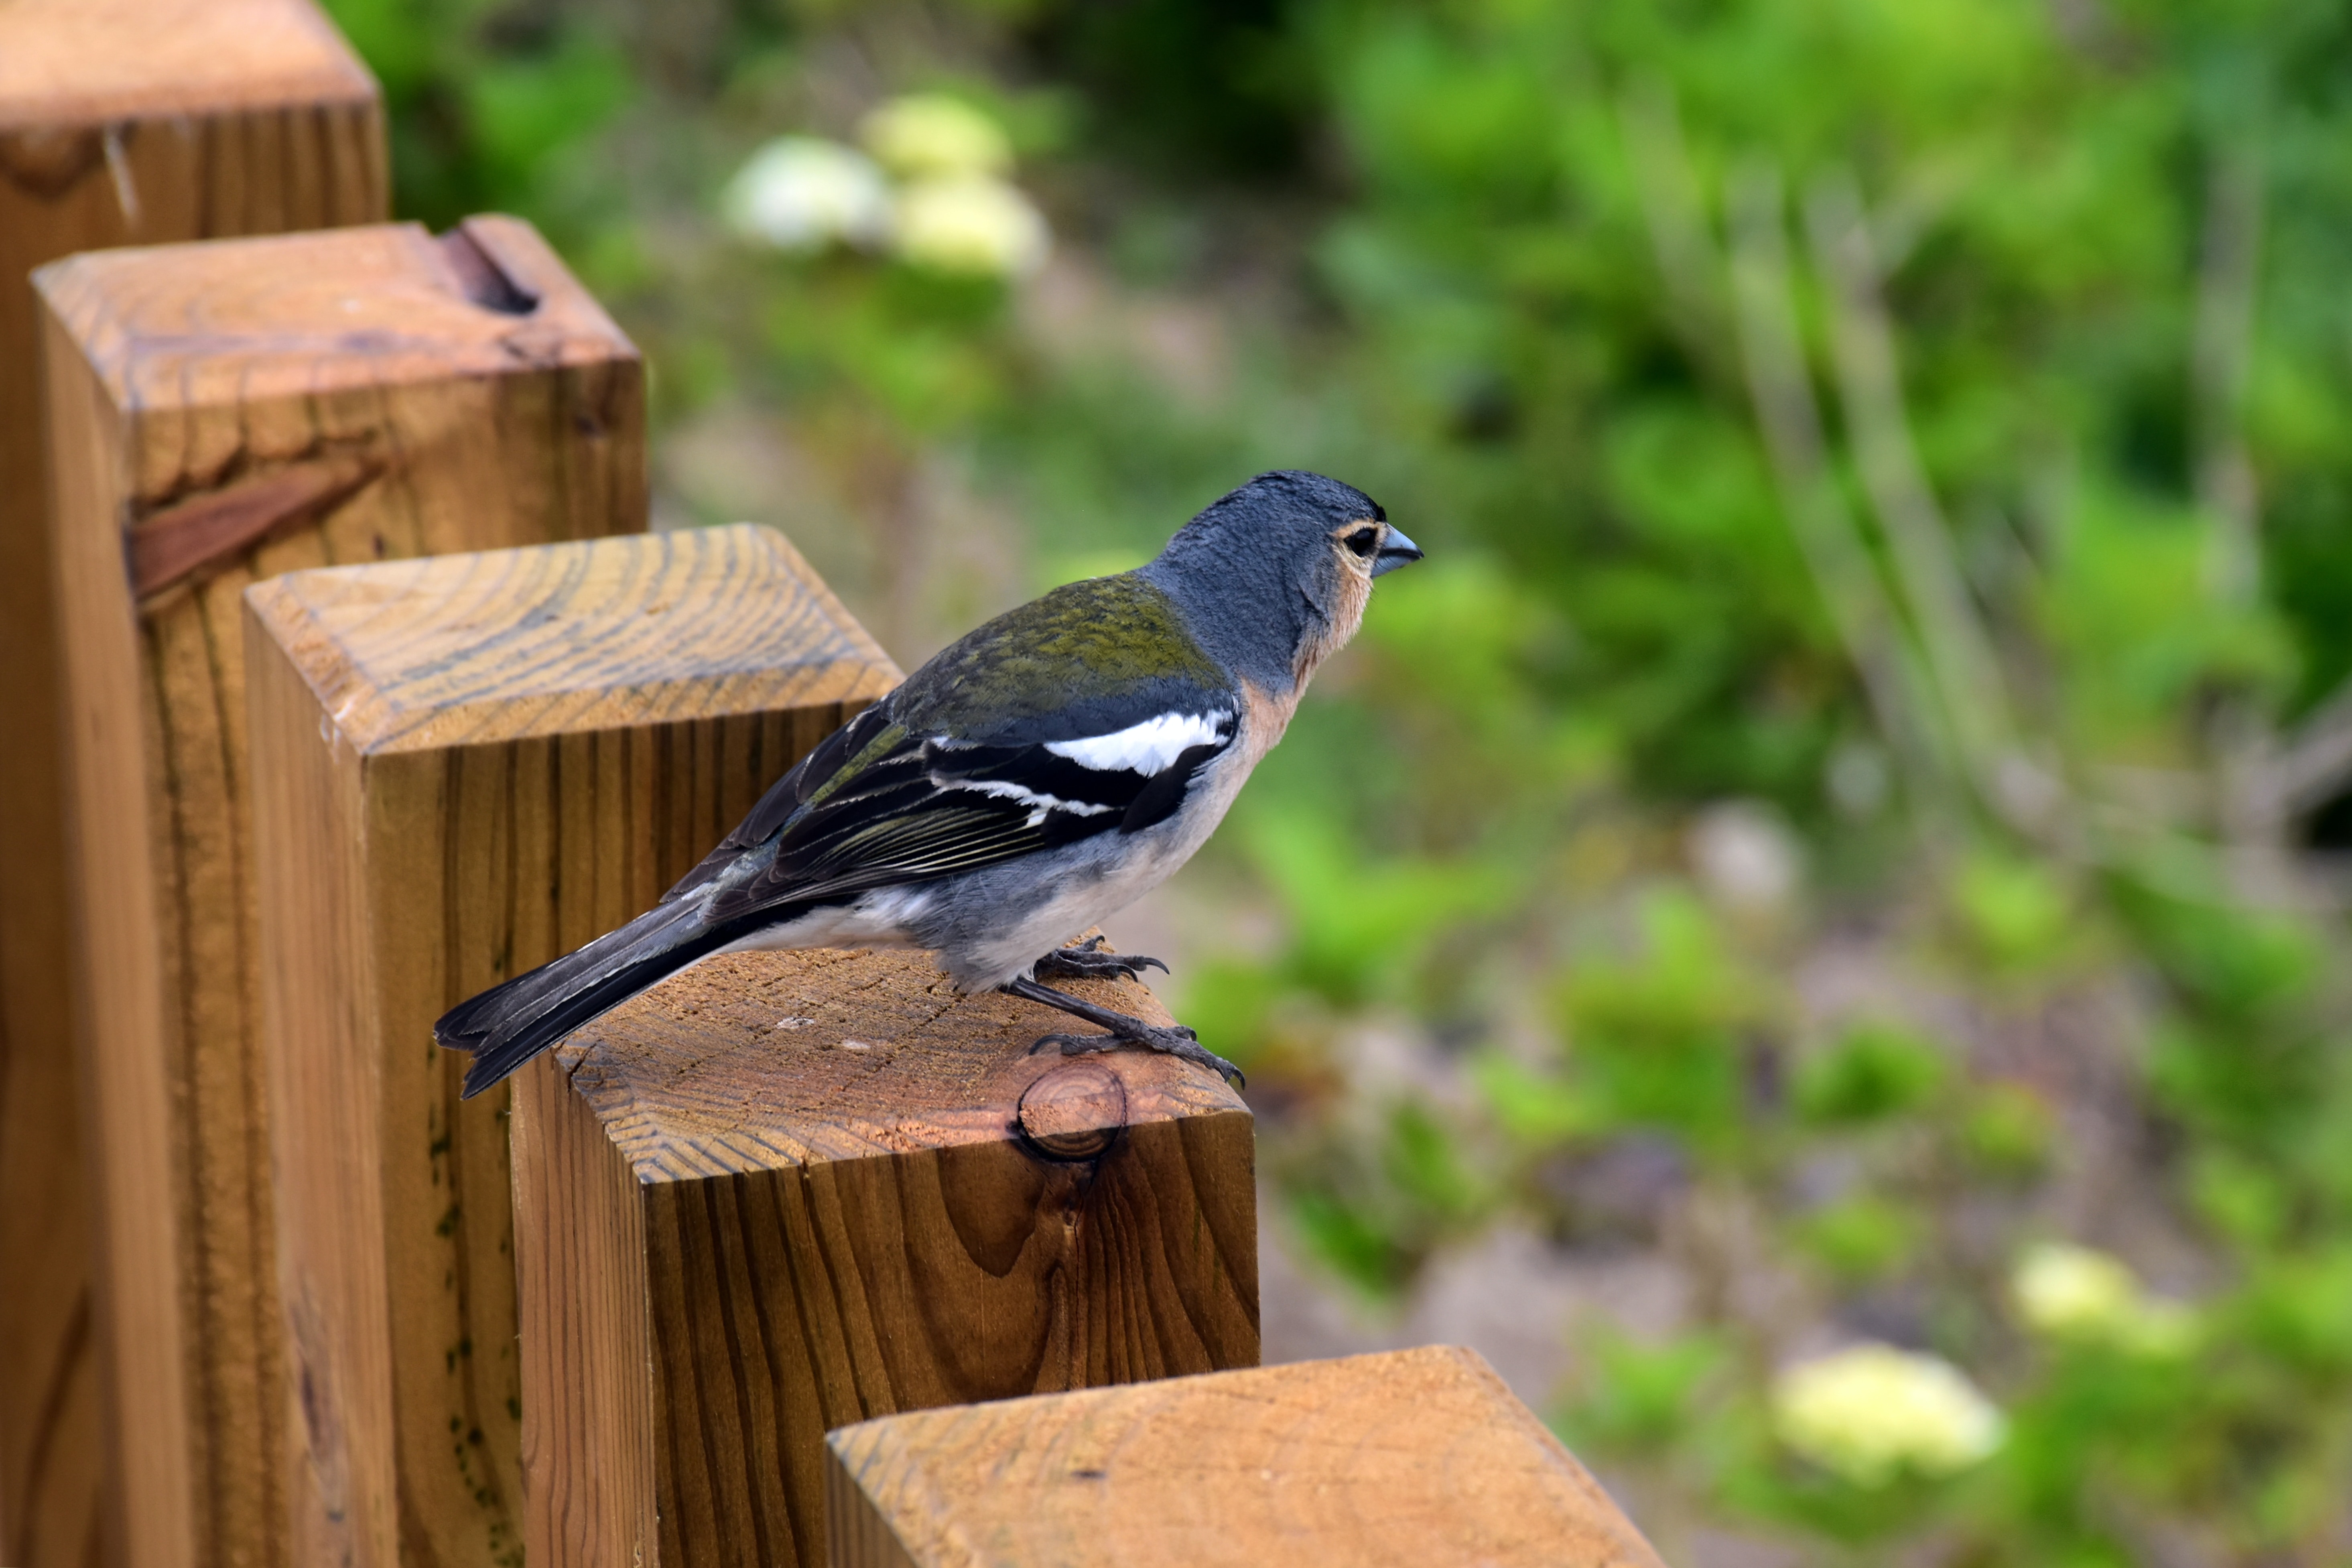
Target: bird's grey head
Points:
(1274, 577)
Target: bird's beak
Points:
(1398, 552)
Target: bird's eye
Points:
(1364, 541)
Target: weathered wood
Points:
(1407, 1458)
(479, 762)
(174, 374)
(120, 121)
(786, 1191)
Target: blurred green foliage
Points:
(483, 98)
(2000, 602)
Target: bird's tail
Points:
(508, 1025)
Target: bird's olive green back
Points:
(1087, 658)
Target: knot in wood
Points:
(1073, 1111)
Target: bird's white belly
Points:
(1137, 865)
(879, 919)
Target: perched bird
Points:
(1041, 773)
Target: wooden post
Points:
(477, 762)
(785, 1191)
(1405, 1458)
(218, 412)
(122, 121)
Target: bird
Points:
(1031, 779)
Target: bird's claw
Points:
(1088, 961)
(1178, 1041)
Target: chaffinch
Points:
(1030, 779)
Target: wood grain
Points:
(175, 372)
(102, 62)
(196, 538)
(122, 121)
(460, 650)
(481, 761)
(786, 1191)
(1403, 1458)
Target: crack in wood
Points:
(198, 537)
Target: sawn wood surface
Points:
(121, 123)
(178, 375)
(478, 762)
(783, 1192)
(1401, 1460)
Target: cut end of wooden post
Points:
(308, 315)
(759, 1061)
(1406, 1458)
(104, 62)
(499, 646)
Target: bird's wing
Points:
(881, 803)
(1085, 711)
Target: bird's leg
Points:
(1176, 1041)
(1088, 961)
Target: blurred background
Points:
(1811, 930)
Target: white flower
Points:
(2062, 1290)
(800, 192)
(1872, 1411)
(931, 136)
(1745, 855)
(2074, 1292)
(971, 225)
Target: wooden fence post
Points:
(1396, 1460)
(217, 412)
(469, 765)
(786, 1191)
(126, 122)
